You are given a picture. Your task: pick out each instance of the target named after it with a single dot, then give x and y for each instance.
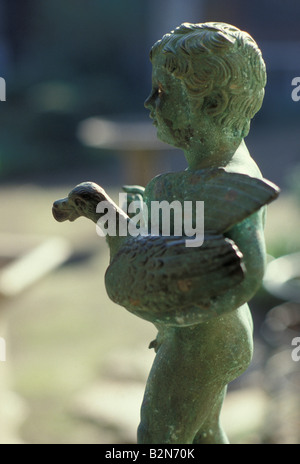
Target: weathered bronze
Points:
(208, 83)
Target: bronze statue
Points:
(208, 83)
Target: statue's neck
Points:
(210, 155)
(198, 161)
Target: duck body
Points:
(161, 280)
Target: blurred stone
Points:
(13, 412)
(128, 365)
(244, 415)
(112, 406)
(113, 403)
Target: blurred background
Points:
(77, 73)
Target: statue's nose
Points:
(148, 101)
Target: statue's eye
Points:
(160, 90)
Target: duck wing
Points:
(229, 198)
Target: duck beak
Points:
(62, 211)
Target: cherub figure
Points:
(208, 83)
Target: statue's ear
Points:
(216, 103)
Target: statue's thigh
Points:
(181, 391)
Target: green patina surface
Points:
(208, 83)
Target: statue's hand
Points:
(134, 190)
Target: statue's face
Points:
(169, 106)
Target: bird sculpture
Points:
(159, 278)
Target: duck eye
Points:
(78, 202)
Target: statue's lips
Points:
(154, 122)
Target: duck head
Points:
(81, 201)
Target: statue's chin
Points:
(163, 138)
(170, 139)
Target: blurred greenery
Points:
(282, 226)
(73, 65)
(293, 180)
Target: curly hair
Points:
(217, 62)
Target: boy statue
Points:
(208, 83)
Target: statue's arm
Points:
(249, 237)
